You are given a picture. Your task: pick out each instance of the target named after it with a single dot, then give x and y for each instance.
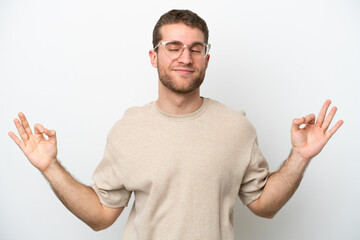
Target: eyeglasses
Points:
(174, 49)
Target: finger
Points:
(24, 136)
(25, 123)
(333, 129)
(329, 118)
(51, 135)
(39, 129)
(17, 140)
(295, 126)
(310, 119)
(322, 113)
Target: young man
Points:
(185, 157)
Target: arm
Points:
(78, 198)
(307, 142)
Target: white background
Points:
(75, 66)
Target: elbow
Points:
(262, 211)
(95, 228)
(98, 227)
(269, 214)
(266, 213)
(104, 219)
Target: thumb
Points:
(296, 123)
(51, 135)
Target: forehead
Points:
(181, 32)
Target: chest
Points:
(192, 155)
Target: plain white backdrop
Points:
(75, 66)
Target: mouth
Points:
(183, 70)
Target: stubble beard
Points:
(169, 83)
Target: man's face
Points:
(186, 73)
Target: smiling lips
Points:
(183, 70)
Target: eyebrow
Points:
(193, 43)
(197, 42)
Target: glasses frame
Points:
(207, 45)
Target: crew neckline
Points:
(183, 117)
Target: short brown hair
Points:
(187, 17)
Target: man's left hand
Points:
(309, 140)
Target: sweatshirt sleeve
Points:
(255, 177)
(109, 181)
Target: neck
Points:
(178, 104)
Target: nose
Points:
(185, 56)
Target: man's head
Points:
(186, 17)
(184, 72)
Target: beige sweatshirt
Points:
(185, 171)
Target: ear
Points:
(207, 58)
(153, 58)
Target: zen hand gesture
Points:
(310, 140)
(40, 151)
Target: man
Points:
(185, 157)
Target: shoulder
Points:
(224, 109)
(235, 118)
(137, 111)
(131, 118)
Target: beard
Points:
(171, 84)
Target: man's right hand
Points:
(40, 151)
(78, 198)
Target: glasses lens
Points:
(174, 49)
(198, 50)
